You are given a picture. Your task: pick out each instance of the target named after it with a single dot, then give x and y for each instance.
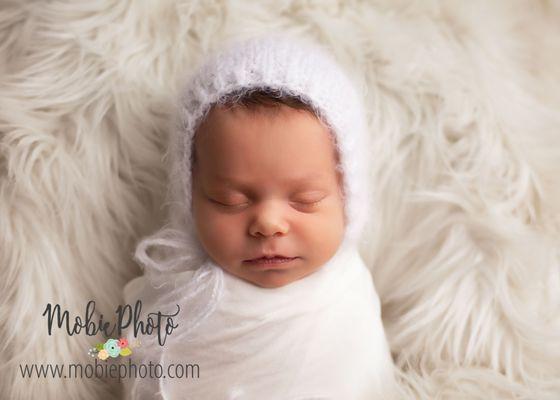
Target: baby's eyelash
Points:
(227, 205)
(309, 204)
(300, 203)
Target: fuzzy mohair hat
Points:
(287, 66)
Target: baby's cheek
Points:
(327, 231)
(222, 224)
(222, 231)
(330, 229)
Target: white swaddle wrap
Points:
(317, 338)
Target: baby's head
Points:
(266, 184)
(271, 160)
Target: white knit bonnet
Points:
(285, 65)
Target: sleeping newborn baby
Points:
(269, 196)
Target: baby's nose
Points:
(269, 221)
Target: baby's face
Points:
(267, 184)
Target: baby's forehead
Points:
(288, 144)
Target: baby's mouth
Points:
(270, 260)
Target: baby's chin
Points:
(273, 279)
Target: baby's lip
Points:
(269, 256)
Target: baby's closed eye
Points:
(303, 200)
(230, 202)
(309, 199)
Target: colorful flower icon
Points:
(103, 354)
(112, 347)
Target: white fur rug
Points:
(464, 99)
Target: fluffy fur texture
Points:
(463, 101)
